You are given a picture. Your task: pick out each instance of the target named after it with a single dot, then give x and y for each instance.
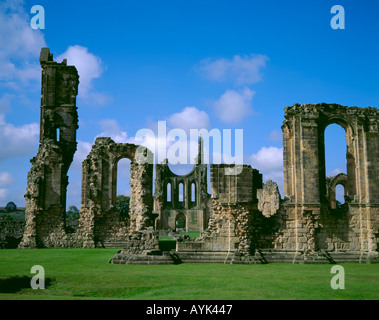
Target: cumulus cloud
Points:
(19, 46)
(241, 69)
(234, 106)
(17, 141)
(19, 53)
(5, 178)
(334, 172)
(111, 128)
(269, 161)
(83, 149)
(189, 118)
(4, 193)
(5, 103)
(90, 67)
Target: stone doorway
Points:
(180, 223)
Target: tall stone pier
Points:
(47, 180)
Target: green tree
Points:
(10, 207)
(8, 217)
(73, 212)
(122, 206)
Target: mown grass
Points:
(87, 274)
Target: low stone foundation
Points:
(263, 256)
(152, 257)
(11, 233)
(318, 257)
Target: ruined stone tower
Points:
(47, 179)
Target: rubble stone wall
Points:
(47, 180)
(100, 224)
(11, 233)
(194, 205)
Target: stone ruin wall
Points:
(47, 180)
(306, 221)
(11, 233)
(100, 224)
(195, 204)
(236, 224)
(246, 215)
(311, 223)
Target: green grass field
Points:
(87, 274)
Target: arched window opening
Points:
(168, 192)
(123, 187)
(193, 192)
(181, 192)
(340, 195)
(123, 177)
(181, 223)
(335, 150)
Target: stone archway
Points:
(305, 178)
(99, 221)
(339, 179)
(181, 222)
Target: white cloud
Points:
(17, 141)
(111, 129)
(123, 177)
(5, 103)
(83, 149)
(4, 193)
(234, 106)
(20, 46)
(334, 172)
(269, 161)
(90, 67)
(5, 178)
(241, 70)
(189, 118)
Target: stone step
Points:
(122, 258)
(321, 257)
(115, 245)
(182, 258)
(205, 253)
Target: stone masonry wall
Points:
(100, 224)
(311, 222)
(47, 180)
(11, 233)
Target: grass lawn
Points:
(87, 274)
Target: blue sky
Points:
(218, 64)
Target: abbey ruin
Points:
(243, 220)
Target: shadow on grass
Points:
(17, 283)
